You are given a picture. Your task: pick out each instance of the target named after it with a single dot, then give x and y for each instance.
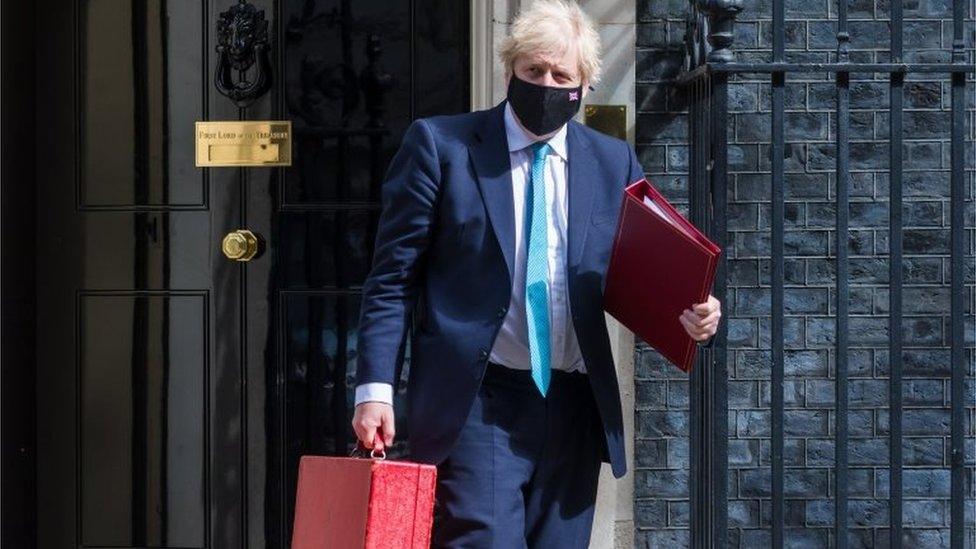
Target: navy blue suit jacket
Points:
(444, 258)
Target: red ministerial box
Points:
(660, 265)
(367, 503)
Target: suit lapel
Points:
(489, 154)
(583, 175)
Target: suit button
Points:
(501, 312)
(483, 353)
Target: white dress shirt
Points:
(511, 347)
(512, 344)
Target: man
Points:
(493, 243)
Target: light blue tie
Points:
(537, 269)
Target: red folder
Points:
(660, 265)
(363, 503)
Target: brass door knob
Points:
(240, 245)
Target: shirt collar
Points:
(519, 139)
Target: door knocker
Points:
(242, 43)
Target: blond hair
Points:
(549, 26)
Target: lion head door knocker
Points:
(242, 44)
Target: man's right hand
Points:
(372, 419)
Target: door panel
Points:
(139, 88)
(142, 375)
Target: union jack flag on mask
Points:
(574, 96)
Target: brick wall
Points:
(661, 454)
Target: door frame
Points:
(482, 53)
(18, 462)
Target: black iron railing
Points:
(709, 65)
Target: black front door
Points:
(177, 388)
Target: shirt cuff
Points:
(374, 392)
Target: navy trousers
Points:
(524, 470)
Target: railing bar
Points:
(699, 179)
(776, 278)
(695, 386)
(843, 299)
(940, 68)
(895, 396)
(716, 184)
(897, 37)
(779, 31)
(703, 375)
(840, 359)
(701, 538)
(776, 326)
(958, 16)
(706, 382)
(957, 309)
(957, 305)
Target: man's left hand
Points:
(701, 321)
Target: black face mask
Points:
(543, 109)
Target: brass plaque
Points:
(609, 119)
(243, 143)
